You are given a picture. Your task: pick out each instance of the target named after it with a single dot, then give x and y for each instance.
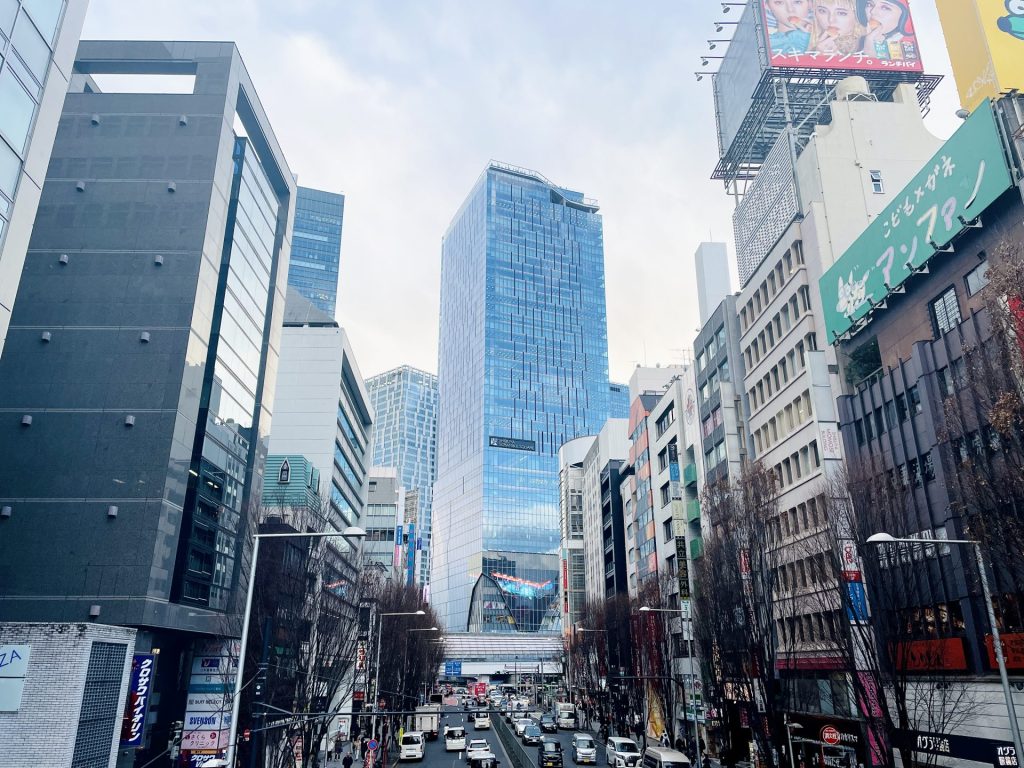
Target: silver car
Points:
(584, 750)
(622, 752)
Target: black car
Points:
(531, 735)
(549, 754)
(548, 724)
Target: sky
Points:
(400, 104)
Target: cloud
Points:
(400, 104)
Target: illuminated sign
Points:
(964, 177)
(516, 586)
(862, 35)
(139, 689)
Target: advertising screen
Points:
(862, 35)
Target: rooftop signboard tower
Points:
(774, 85)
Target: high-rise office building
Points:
(316, 246)
(405, 437)
(139, 369)
(523, 368)
(37, 47)
(618, 401)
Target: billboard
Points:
(134, 722)
(964, 177)
(862, 35)
(986, 46)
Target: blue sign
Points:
(372, 746)
(452, 668)
(857, 610)
(133, 726)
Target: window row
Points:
(783, 423)
(712, 422)
(888, 415)
(811, 628)
(666, 420)
(771, 285)
(805, 517)
(803, 573)
(797, 466)
(714, 456)
(714, 380)
(799, 304)
(715, 345)
(778, 376)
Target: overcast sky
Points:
(399, 104)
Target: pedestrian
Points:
(346, 762)
(362, 749)
(330, 749)
(664, 738)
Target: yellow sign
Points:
(986, 46)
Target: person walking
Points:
(346, 761)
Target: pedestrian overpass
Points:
(501, 655)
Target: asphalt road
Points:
(435, 755)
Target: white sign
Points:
(14, 660)
(205, 702)
(207, 721)
(205, 739)
(13, 668)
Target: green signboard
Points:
(966, 176)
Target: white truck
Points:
(427, 720)
(565, 715)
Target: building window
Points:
(876, 182)
(977, 278)
(666, 495)
(285, 474)
(666, 531)
(945, 311)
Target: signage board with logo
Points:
(956, 747)
(985, 39)
(964, 177)
(452, 668)
(511, 443)
(208, 710)
(133, 725)
(13, 671)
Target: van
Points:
(664, 757)
(411, 747)
(454, 738)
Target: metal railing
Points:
(520, 756)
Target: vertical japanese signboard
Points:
(133, 726)
(963, 178)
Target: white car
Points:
(622, 753)
(521, 724)
(412, 746)
(454, 738)
(477, 748)
(482, 721)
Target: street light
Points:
(997, 645)
(790, 727)
(352, 532)
(405, 662)
(376, 669)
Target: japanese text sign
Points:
(963, 178)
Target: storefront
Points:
(828, 742)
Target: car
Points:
(584, 750)
(454, 738)
(487, 760)
(477, 747)
(535, 715)
(412, 746)
(622, 752)
(531, 735)
(664, 757)
(481, 721)
(548, 724)
(549, 754)
(521, 725)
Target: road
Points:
(437, 757)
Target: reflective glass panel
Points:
(16, 108)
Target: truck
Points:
(565, 715)
(427, 720)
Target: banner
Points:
(985, 39)
(861, 35)
(133, 725)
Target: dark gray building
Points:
(138, 375)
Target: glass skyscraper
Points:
(523, 368)
(405, 437)
(316, 246)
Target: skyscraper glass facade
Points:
(405, 437)
(316, 246)
(523, 368)
(618, 401)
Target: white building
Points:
(32, 101)
(604, 553)
(570, 503)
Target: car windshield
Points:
(584, 744)
(478, 744)
(551, 746)
(627, 746)
(410, 739)
(532, 730)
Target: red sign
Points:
(927, 655)
(874, 38)
(830, 735)
(480, 689)
(359, 696)
(1013, 650)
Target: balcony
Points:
(696, 548)
(693, 511)
(690, 474)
